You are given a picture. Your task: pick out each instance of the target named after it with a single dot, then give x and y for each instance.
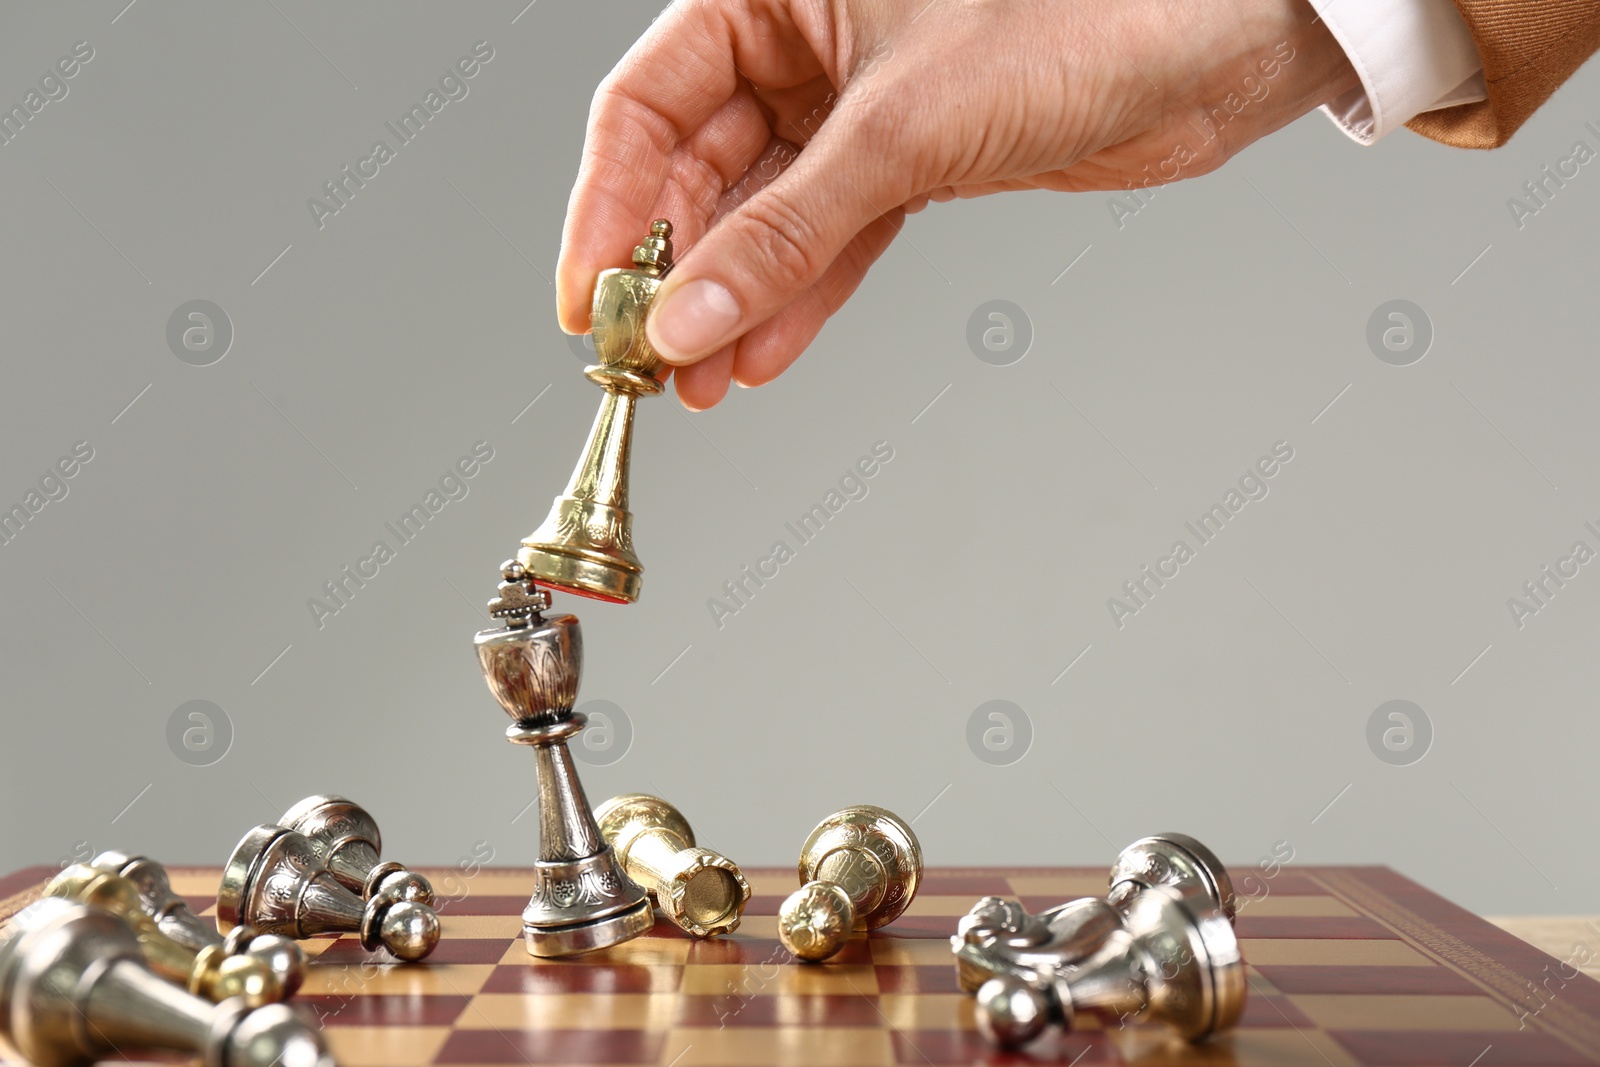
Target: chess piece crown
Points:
(860, 867)
(276, 881)
(179, 922)
(585, 544)
(75, 989)
(702, 892)
(582, 898)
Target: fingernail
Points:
(694, 319)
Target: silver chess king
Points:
(582, 899)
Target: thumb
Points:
(770, 249)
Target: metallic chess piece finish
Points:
(859, 869)
(175, 918)
(347, 839)
(585, 544)
(1076, 928)
(208, 973)
(276, 882)
(701, 891)
(1172, 960)
(582, 898)
(1175, 860)
(74, 989)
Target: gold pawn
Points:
(700, 891)
(859, 869)
(207, 973)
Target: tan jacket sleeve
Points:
(1528, 47)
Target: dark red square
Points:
(922, 978)
(845, 1009)
(1425, 980)
(348, 950)
(1330, 927)
(919, 927)
(949, 1047)
(547, 1046)
(543, 978)
(1498, 1048)
(385, 1009)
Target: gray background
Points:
(1223, 318)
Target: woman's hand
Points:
(787, 140)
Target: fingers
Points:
(704, 384)
(669, 129)
(779, 242)
(768, 350)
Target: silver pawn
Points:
(347, 839)
(74, 990)
(276, 882)
(178, 921)
(582, 899)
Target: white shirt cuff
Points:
(1411, 55)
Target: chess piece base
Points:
(552, 941)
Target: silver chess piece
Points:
(347, 839)
(1171, 960)
(1076, 928)
(1175, 860)
(276, 882)
(74, 990)
(582, 898)
(178, 921)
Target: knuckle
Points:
(783, 241)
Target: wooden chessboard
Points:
(1347, 965)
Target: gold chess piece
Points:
(859, 869)
(700, 891)
(585, 544)
(208, 973)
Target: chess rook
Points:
(859, 869)
(276, 882)
(208, 973)
(346, 837)
(701, 891)
(585, 544)
(74, 989)
(178, 921)
(1172, 961)
(582, 898)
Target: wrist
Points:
(1279, 62)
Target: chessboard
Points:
(1346, 966)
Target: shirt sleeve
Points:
(1412, 56)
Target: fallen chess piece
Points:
(276, 882)
(1171, 960)
(74, 989)
(208, 973)
(1076, 928)
(179, 922)
(1175, 860)
(582, 898)
(700, 891)
(346, 837)
(859, 868)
